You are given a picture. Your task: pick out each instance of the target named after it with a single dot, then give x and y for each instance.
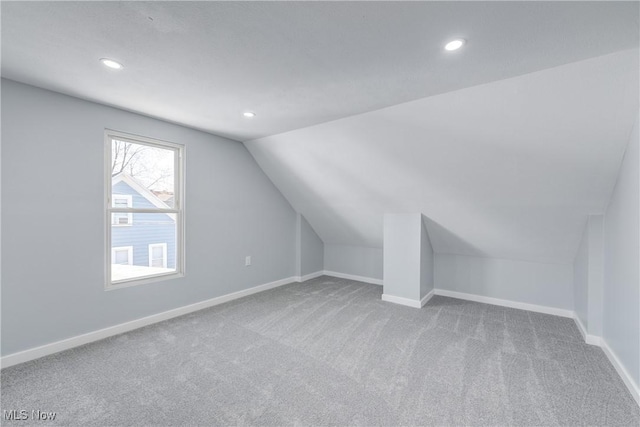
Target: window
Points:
(158, 255)
(122, 255)
(144, 209)
(122, 201)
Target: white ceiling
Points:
(295, 64)
(508, 169)
(505, 145)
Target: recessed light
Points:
(249, 114)
(111, 63)
(455, 44)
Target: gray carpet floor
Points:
(330, 352)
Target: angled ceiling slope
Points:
(295, 64)
(508, 169)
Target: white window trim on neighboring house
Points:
(164, 253)
(129, 200)
(129, 250)
(176, 212)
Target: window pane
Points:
(121, 256)
(157, 255)
(121, 218)
(120, 202)
(144, 173)
(143, 178)
(146, 231)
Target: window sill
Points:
(141, 281)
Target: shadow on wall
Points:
(345, 196)
(303, 173)
(441, 237)
(496, 217)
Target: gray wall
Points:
(581, 279)
(621, 311)
(355, 260)
(426, 260)
(53, 220)
(311, 248)
(549, 285)
(596, 274)
(588, 276)
(402, 258)
(408, 256)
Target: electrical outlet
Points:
(247, 261)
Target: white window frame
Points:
(129, 250)
(129, 199)
(164, 253)
(177, 211)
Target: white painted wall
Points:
(354, 260)
(53, 220)
(549, 285)
(621, 310)
(426, 260)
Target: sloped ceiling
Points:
(295, 64)
(506, 145)
(508, 169)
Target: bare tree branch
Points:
(125, 155)
(141, 162)
(161, 177)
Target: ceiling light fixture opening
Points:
(111, 63)
(249, 114)
(455, 44)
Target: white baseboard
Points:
(427, 297)
(402, 301)
(309, 276)
(619, 367)
(589, 339)
(408, 301)
(506, 303)
(613, 359)
(581, 328)
(58, 346)
(353, 277)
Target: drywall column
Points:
(309, 250)
(427, 262)
(588, 280)
(298, 246)
(408, 260)
(595, 275)
(621, 294)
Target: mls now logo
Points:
(42, 415)
(15, 415)
(21, 415)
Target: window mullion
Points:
(143, 210)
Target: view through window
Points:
(144, 209)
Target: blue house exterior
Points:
(143, 235)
